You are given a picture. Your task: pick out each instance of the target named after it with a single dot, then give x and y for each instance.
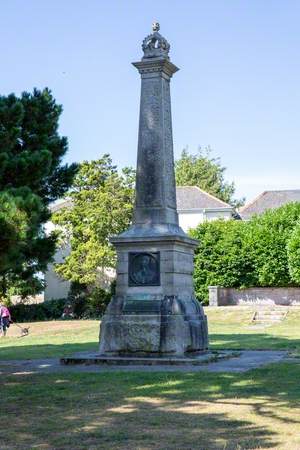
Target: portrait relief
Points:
(144, 269)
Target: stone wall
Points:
(219, 296)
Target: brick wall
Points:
(219, 296)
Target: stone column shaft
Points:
(155, 183)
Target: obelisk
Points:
(154, 311)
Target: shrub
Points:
(220, 258)
(293, 252)
(97, 302)
(241, 254)
(87, 303)
(37, 312)
(84, 305)
(266, 240)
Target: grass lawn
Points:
(259, 409)
(229, 327)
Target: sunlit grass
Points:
(229, 327)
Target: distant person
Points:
(5, 319)
(68, 312)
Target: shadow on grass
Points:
(151, 410)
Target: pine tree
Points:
(32, 176)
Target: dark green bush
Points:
(84, 305)
(88, 303)
(77, 299)
(96, 303)
(37, 312)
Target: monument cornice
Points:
(184, 240)
(156, 65)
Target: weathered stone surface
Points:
(154, 310)
(127, 334)
(175, 326)
(172, 333)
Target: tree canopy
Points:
(102, 203)
(31, 176)
(206, 172)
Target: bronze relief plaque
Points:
(144, 269)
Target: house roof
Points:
(188, 198)
(59, 204)
(269, 200)
(192, 197)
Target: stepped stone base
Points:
(191, 360)
(164, 326)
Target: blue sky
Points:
(237, 90)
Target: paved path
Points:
(247, 360)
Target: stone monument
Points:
(154, 311)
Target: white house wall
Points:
(214, 215)
(56, 287)
(190, 220)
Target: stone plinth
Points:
(165, 318)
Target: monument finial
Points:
(155, 45)
(155, 27)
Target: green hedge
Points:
(37, 312)
(84, 305)
(220, 258)
(293, 252)
(264, 251)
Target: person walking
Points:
(5, 319)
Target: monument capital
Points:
(156, 66)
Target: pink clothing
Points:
(4, 312)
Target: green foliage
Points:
(86, 303)
(31, 176)
(262, 252)
(207, 173)
(37, 312)
(267, 240)
(293, 252)
(221, 257)
(97, 301)
(14, 222)
(102, 203)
